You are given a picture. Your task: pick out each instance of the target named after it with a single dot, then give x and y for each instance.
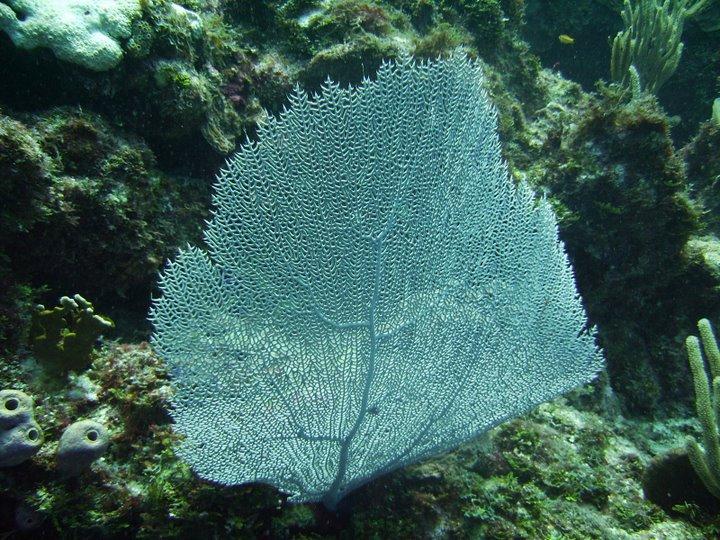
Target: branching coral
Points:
(650, 43)
(648, 50)
(63, 337)
(706, 13)
(705, 459)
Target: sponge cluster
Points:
(20, 435)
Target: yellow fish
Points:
(565, 39)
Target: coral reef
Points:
(590, 22)
(83, 32)
(24, 177)
(130, 94)
(557, 469)
(702, 164)
(183, 58)
(105, 172)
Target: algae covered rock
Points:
(703, 252)
(24, 176)
(80, 196)
(184, 92)
(621, 192)
(702, 163)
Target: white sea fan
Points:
(376, 290)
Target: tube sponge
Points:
(16, 407)
(81, 443)
(20, 436)
(19, 443)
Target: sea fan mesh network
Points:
(375, 290)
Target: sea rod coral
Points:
(376, 290)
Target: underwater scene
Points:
(374, 269)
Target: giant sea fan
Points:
(376, 290)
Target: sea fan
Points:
(376, 290)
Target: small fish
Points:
(565, 39)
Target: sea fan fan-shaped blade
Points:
(376, 290)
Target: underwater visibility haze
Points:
(360, 269)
